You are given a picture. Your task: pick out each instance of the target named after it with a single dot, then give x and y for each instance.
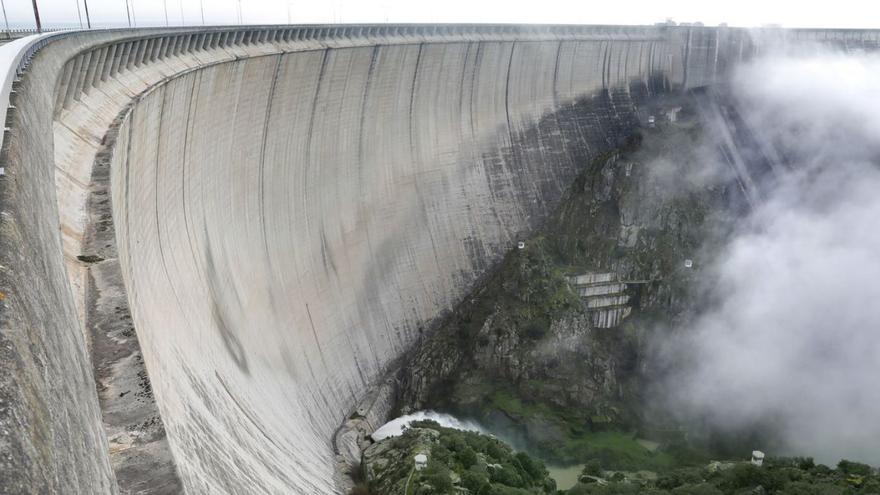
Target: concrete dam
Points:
(218, 242)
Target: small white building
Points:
(421, 461)
(688, 263)
(757, 457)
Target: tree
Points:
(592, 468)
(853, 468)
(699, 489)
(474, 482)
(466, 457)
(507, 475)
(533, 469)
(437, 475)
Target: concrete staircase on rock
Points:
(605, 297)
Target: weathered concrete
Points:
(139, 451)
(293, 207)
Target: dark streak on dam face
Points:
(292, 206)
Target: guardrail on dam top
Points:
(292, 207)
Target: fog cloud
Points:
(794, 337)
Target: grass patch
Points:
(615, 450)
(585, 435)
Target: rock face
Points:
(559, 327)
(353, 436)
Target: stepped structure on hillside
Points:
(214, 242)
(604, 296)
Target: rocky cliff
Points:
(551, 346)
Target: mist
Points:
(792, 338)
(396, 427)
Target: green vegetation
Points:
(582, 436)
(529, 289)
(471, 463)
(458, 462)
(616, 450)
(783, 476)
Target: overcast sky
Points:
(837, 13)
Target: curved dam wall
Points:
(300, 219)
(291, 209)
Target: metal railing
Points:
(35, 47)
(14, 34)
(317, 31)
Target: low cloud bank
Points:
(793, 338)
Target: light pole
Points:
(5, 20)
(88, 19)
(182, 20)
(165, 4)
(79, 15)
(202, 8)
(37, 16)
(134, 20)
(127, 13)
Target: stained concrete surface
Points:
(138, 446)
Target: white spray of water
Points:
(396, 426)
